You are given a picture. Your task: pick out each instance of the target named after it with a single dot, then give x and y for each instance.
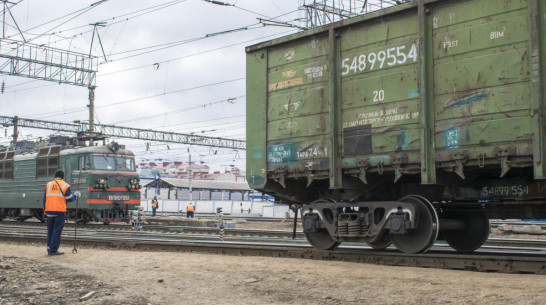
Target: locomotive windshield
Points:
(108, 162)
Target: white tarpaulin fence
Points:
(237, 207)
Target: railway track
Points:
(164, 228)
(497, 255)
(214, 231)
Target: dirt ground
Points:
(131, 277)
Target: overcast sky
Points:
(127, 82)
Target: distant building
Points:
(178, 169)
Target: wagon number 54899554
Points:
(373, 60)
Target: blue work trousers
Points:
(189, 214)
(153, 212)
(55, 227)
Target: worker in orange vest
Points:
(57, 193)
(155, 205)
(189, 210)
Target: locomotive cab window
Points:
(125, 163)
(104, 162)
(84, 162)
(110, 162)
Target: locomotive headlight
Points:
(134, 184)
(102, 180)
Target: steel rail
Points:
(500, 260)
(166, 228)
(492, 244)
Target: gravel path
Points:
(131, 277)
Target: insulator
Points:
(3, 87)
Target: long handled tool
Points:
(295, 209)
(74, 250)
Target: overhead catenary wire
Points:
(229, 100)
(92, 6)
(79, 109)
(194, 54)
(151, 9)
(79, 11)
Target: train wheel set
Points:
(412, 226)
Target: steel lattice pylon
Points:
(46, 63)
(126, 132)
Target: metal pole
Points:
(190, 176)
(91, 114)
(15, 131)
(4, 21)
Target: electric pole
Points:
(15, 132)
(190, 175)
(91, 86)
(91, 114)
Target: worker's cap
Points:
(59, 174)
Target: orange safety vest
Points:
(155, 204)
(55, 199)
(190, 208)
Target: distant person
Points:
(189, 210)
(155, 205)
(57, 193)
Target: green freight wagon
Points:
(405, 125)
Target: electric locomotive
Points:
(105, 175)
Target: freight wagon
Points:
(406, 125)
(105, 175)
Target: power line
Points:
(58, 18)
(77, 15)
(195, 54)
(230, 100)
(79, 109)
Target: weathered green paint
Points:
(398, 85)
(301, 126)
(256, 123)
(505, 99)
(473, 89)
(307, 101)
(538, 95)
(335, 110)
(426, 87)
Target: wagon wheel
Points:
(424, 235)
(474, 234)
(322, 239)
(382, 243)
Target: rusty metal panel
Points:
(298, 99)
(296, 127)
(379, 88)
(537, 15)
(481, 78)
(431, 86)
(256, 124)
